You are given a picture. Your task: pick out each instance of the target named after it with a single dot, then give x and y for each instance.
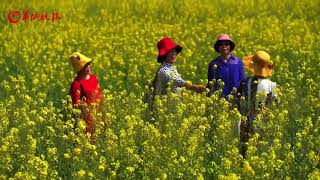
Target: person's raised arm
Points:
(196, 88)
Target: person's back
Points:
(255, 92)
(266, 92)
(89, 89)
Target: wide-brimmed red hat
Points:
(223, 37)
(165, 45)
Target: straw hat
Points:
(78, 61)
(259, 64)
(165, 45)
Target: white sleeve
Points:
(274, 89)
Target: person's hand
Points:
(197, 88)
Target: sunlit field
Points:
(188, 136)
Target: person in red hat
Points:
(168, 51)
(85, 90)
(226, 67)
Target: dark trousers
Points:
(246, 129)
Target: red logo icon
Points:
(14, 16)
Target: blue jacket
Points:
(231, 73)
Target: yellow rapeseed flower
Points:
(81, 173)
(67, 155)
